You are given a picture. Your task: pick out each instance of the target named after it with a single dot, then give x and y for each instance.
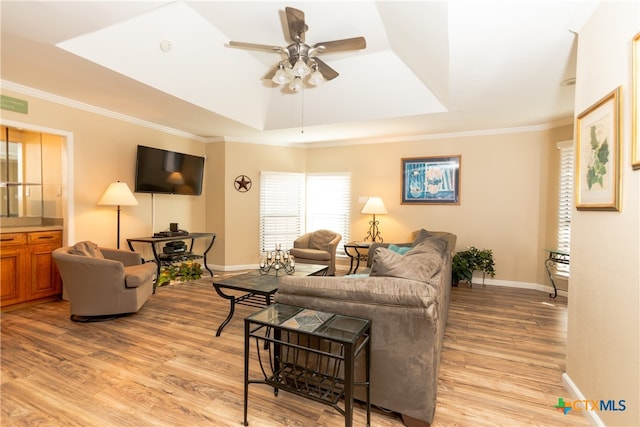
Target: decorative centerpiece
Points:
(277, 260)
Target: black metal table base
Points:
(554, 259)
(250, 299)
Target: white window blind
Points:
(328, 203)
(281, 209)
(565, 197)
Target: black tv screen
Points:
(168, 172)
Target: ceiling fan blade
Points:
(297, 27)
(354, 43)
(256, 46)
(327, 72)
(271, 72)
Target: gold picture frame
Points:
(635, 108)
(598, 151)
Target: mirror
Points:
(20, 173)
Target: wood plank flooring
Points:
(501, 365)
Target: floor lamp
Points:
(118, 194)
(374, 206)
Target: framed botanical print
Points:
(431, 180)
(598, 155)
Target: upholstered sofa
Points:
(407, 298)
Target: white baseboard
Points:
(215, 267)
(514, 284)
(572, 388)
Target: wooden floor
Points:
(501, 365)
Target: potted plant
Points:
(184, 272)
(473, 259)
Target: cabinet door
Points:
(12, 275)
(44, 279)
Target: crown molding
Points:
(15, 87)
(67, 102)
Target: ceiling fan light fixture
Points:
(300, 68)
(281, 76)
(316, 78)
(296, 84)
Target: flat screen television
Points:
(168, 172)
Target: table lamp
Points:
(118, 194)
(374, 206)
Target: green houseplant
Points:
(473, 259)
(184, 272)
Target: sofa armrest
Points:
(406, 333)
(127, 258)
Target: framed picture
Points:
(431, 180)
(598, 155)
(635, 83)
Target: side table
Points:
(356, 251)
(309, 353)
(555, 257)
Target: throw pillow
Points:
(422, 236)
(399, 249)
(420, 263)
(86, 248)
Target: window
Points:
(565, 198)
(288, 211)
(281, 209)
(328, 203)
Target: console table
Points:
(161, 258)
(309, 353)
(555, 257)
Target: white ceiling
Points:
(429, 67)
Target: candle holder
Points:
(277, 260)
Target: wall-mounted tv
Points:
(168, 172)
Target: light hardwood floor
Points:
(501, 365)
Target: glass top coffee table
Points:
(258, 289)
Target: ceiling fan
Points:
(301, 61)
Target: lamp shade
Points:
(375, 206)
(118, 194)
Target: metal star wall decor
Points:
(242, 183)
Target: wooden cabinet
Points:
(27, 270)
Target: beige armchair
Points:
(317, 247)
(103, 283)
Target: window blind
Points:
(328, 203)
(565, 197)
(281, 209)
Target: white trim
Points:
(522, 285)
(216, 267)
(95, 110)
(448, 135)
(5, 84)
(572, 388)
(69, 225)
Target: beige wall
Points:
(503, 202)
(507, 188)
(242, 210)
(103, 150)
(603, 346)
